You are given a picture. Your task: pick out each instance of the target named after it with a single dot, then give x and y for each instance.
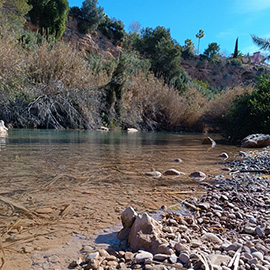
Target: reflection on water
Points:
(32, 158)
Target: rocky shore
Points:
(227, 228)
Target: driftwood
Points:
(15, 206)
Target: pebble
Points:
(143, 255)
(184, 258)
(232, 217)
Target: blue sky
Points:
(221, 20)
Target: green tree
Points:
(12, 13)
(212, 52)
(164, 54)
(250, 113)
(236, 52)
(91, 16)
(188, 49)
(50, 16)
(112, 29)
(199, 36)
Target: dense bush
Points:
(250, 112)
(12, 14)
(112, 29)
(212, 52)
(50, 16)
(164, 54)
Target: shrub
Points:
(250, 113)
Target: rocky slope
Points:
(223, 74)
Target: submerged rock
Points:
(173, 172)
(156, 174)
(199, 175)
(209, 141)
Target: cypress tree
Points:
(235, 54)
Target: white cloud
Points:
(244, 6)
(226, 34)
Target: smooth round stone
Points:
(249, 230)
(173, 172)
(143, 255)
(179, 160)
(233, 247)
(156, 174)
(92, 256)
(173, 258)
(198, 175)
(180, 247)
(161, 257)
(258, 255)
(184, 258)
(253, 220)
(212, 237)
(253, 261)
(259, 231)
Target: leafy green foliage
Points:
(112, 29)
(12, 13)
(50, 16)
(250, 112)
(263, 43)
(89, 14)
(29, 39)
(164, 54)
(212, 52)
(188, 49)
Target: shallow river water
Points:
(32, 158)
(57, 183)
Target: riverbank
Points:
(227, 228)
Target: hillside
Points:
(223, 74)
(220, 75)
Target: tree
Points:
(134, 27)
(164, 54)
(12, 13)
(212, 52)
(236, 52)
(50, 16)
(250, 113)
(91, 16)
(199, 36)
(112, 29)
(263, 43)
(188, 49)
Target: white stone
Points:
(212, 237)
(128, 217)
(143, 255)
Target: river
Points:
(55, 183)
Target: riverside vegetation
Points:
(47, 83)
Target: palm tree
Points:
(199, 36)
(263, 43)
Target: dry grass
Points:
(62, 63)
(151, 104)
(217, 108)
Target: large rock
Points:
(209, 141)
(256, 141)
(3, 129)
(146, 234)
(128, 217)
